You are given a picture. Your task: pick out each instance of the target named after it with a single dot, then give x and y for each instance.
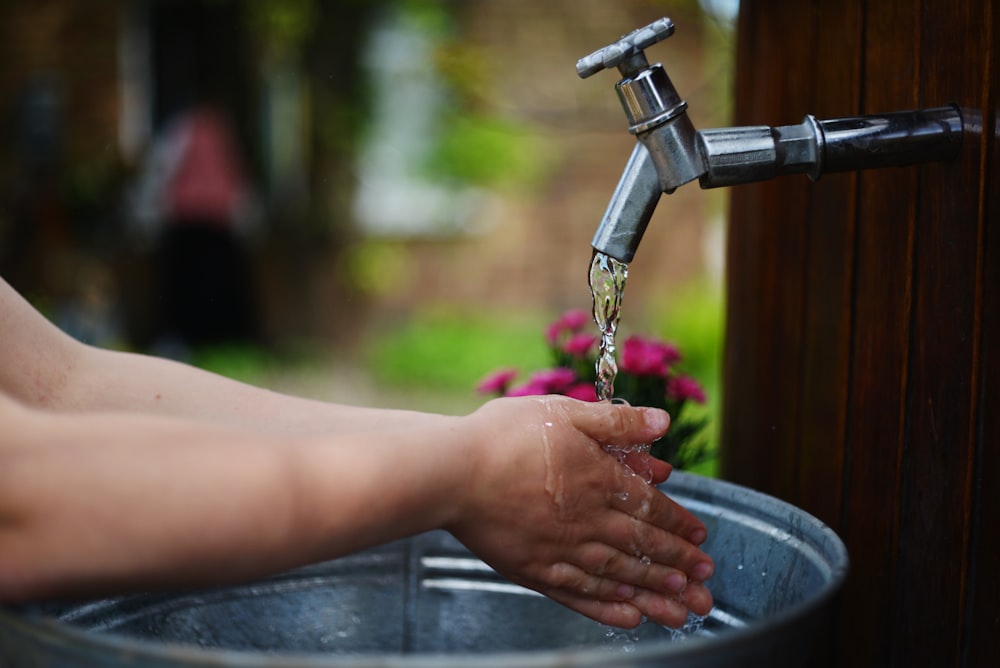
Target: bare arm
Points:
(101, 502)
(120, 472)
(104, 502)
(43, 367)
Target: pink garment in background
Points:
(207, 185)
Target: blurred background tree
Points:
(422, 178)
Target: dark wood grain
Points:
(880, 348)
(767, 239)
(943, 374)
(828, 277)
(983, 642)
(861, 378)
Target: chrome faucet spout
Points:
(670, 152)
(666, 155)
(631, 207)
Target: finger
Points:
(572, 578)
(599, 559)
(662, 609)
(622, 614)
(666, 549)
(616, 424)
(568, 583)
(643, 463)
(697, 598)
(635, 537)
(649, 504)
(667, 514)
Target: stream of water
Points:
(607, 285)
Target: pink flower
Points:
(529, 389)
(549, 381)
(579, 344)
(497, 382)
(555, 381)
(582, 391)
(681, 388)
(647, 357)
(570, 321)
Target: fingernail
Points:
(698, 536)
(625, 591)
(676, 582)
(702, 571)
(656, 419)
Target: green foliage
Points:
(247, 363)
(487, 151)
(431, 16)
(474, 144)
(451, 351)
(694, 319)
(250, 363)
(282, 25)
(376, 267)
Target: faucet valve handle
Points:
(627, 53)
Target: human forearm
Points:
(42, 367)
(110, 380)
(151, 501)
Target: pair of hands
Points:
(553, 511)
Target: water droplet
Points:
(621, 640)
(691, 627)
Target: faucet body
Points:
(671, 152)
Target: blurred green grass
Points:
(694, 319)
(448, 350)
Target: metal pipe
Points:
(670, 152)
(748, 154)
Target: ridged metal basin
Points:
(428, 602)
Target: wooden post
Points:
(862, 367)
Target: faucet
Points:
(670, 152)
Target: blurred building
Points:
(402, 154)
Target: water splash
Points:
(621, 453)
(692, 627)
(621, 640)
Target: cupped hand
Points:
(549, 508)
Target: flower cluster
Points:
(647, 376)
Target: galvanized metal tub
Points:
(427, 601)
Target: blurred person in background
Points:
(194, 202)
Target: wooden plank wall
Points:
(862, 368)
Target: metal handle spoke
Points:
(628, 46)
